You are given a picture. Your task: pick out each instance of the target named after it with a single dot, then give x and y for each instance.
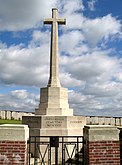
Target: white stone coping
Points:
(14, 132)
(101, 133)
(100, 126)
(13, 125)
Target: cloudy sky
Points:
(90, 54)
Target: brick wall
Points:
(102, 145)
(13, 152)
(102, 152)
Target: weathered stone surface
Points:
(103, 120)
(2, 114)
(15, 115)
(14, 132)
(101, 133)
(56, 124)
(8, 115)
(54, 100)
(54, 21)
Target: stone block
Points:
(112, 121)
(101, 133)
(117, 121)
(14, 132)
(107, 120)
(101, 121)
(55, 122)
(15, 115)
(54, 100)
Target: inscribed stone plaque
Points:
(53, 122)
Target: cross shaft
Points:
(54, 66)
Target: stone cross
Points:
(54, 21)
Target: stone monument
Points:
(54, 98)
(53, 117)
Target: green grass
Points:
(6, 121)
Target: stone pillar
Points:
(101, 145)
(13, 144)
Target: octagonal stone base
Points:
(54, 101)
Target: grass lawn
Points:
(2, 121)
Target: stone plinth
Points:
(101, 145)
(54, 101)
(13, 144)
(55, 125)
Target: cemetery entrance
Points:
(57, 150)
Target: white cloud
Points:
(76, 97)
(19, 94)
(119, 76)
(68, 81)
(23, 14)
(101, 28)
(73, 21)
(105, 89)
(72, 11)
(24, 66)
(96, 105)
(92, 66)
(40, 39)
(72, 43)
(71, 6)
(19, 100)
(91, 4)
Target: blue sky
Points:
(90, 54)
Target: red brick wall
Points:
(102, 152)
(13, 152)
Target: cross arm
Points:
(48, 21)
(61, 21)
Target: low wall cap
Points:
(15, 126)
(14, 132)
(99, 126)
